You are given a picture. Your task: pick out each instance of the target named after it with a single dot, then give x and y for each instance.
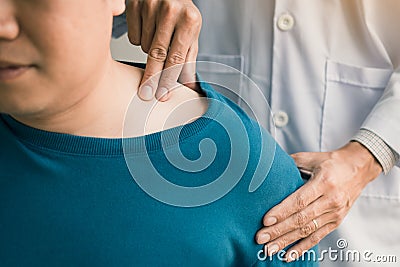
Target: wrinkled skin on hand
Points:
(318, 207)
(168, 31)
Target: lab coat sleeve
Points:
(384, 119)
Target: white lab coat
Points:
(327, 68)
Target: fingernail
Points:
(270, 221)
(162, 93)
(265, 237)
(273, 249)
(146, 93)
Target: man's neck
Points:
(100, 112)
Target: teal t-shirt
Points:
(79, 201)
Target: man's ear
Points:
(118, 7)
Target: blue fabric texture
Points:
(72, 201)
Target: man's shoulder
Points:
(184, 106)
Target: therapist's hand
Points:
(338, 177)
(168, 31)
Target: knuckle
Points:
(301, 201)
(170, 7)
(283, 214)
(336, 201)
(176, 58)
(192, 15)
(283, 242)
(146, 9)
(327, 180)
(132, 5)
(306, 230)
(300, 219)
(135, 4)
(276, 233)
(158, 54)
(148, 32)
(149, 5)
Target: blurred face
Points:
(52, 52)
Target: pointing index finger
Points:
(156, 59)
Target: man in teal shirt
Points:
(73, 167)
